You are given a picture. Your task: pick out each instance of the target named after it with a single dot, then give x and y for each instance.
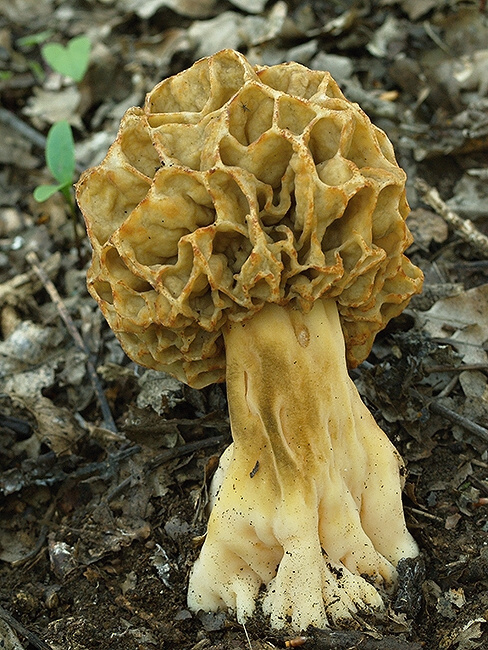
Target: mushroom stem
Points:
(310, 493)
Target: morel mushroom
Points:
(248, 225)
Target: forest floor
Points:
(98, 522)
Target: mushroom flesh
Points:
(248, 226)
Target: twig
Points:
(424, 513)
(478, 463)
(15, 479)
(27, 131)
(167, 454)
(23, 631)
(63, 312)
(464, 227)
(10, 119)
(471, 265)
(449, 387)
(431, 33)
(454, 417)
(247, 637)
(481, 485)
(176, 452)
(445, 412)
(445, 368)
(25, 284)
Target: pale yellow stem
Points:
(309, 494)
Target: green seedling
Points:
(70, 61)
(60, 160)
(27, 43)
(34, 39)
(37, 70)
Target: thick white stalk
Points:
(310, 493)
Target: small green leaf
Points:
(34, 39)
(72, 60)
(60, 152)
(60, 159)
(37, 70)
(44, 192)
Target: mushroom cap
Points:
(235, 186)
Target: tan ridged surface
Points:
(235, 187)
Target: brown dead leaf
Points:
(462, 319)
(427, 227)
(51, 106)
(464, 640)
(191, 8)
(56, 426)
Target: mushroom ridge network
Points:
(236, 186)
